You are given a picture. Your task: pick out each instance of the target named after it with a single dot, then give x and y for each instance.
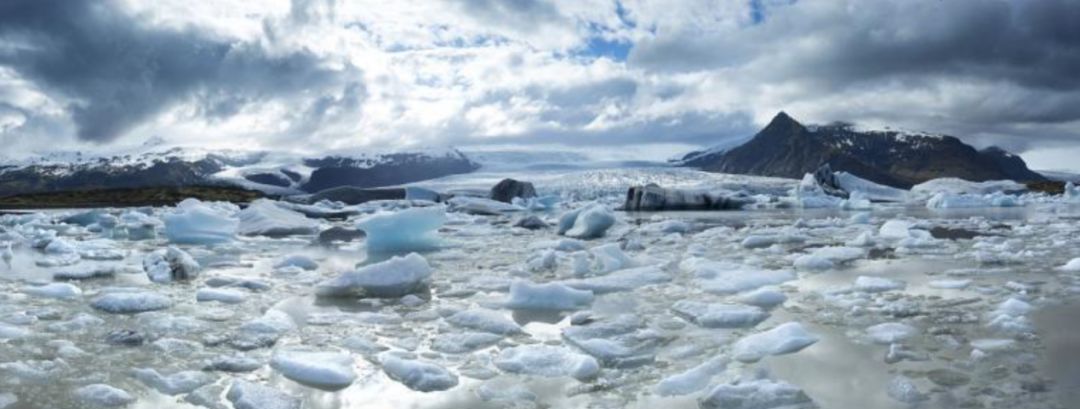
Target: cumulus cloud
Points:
(337, 74)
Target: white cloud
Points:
(418, 72)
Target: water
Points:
(842, 370)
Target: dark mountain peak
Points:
(782, 122)
(785, 148)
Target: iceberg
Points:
(551, 296)
(194, 222)
(325, 370)
(712, 315)
(588, 222)
(395, 277)
(547, 361)
(404, 231)
(417, 375)
(170, 264)
(785, 338)
(263, 217)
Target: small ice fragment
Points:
(395, 277)
(484, 320)
(325, 370)
(170, 264)
(783, 339)
(248, 395)
(551, 296)
(547, 361)
(54, 290)
(869, 284)
(103, 395)
(890, 332)
(417, 375)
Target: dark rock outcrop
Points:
(786, 148)
(507, 189)
(393, 169)
(652, 197)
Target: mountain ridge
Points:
(787, 148)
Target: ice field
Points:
(959, 295)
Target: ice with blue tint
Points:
(550, 296)
(395, 277)
(588, 222)
(413, 229)
(194, 222)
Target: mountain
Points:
(786, 148)
(266, 171)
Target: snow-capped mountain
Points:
(268, 171)
(786, 148)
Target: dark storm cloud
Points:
(119, 72)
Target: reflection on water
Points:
(1060, 332)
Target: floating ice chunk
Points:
(757, 394)
(895, 229)
(12, 332)
(263, 331)
(481, 206)
(175, 384)
(1072, 265)
(551, 296)
(407, 230)
(232, 363)
(758, 241)
(248, 395)
(8, 399)
(763, 297)
(537, 204)
(547, 361)
(194, 222)
(783, 339)
(813, 262)
(943, 200)
(693, 379)
(131, 302)
(545, 260)
(60, 246)
(1013, 307)
(103, 395)
(484, 320)
(609, 257)
(727, 278)
(588, 222)
(622, 280)
(417, 375)
(324, 370)
(711, 315)
(300, 261)
(890, 332)
(54, 290)
(903, 389)
(395, 277)
(869, 284)
(170, 264)
(958, 284)
(991, 344)
(223, 295)
(265, 218)
(465, 342)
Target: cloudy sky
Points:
(327, 74)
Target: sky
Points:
(324, 75)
